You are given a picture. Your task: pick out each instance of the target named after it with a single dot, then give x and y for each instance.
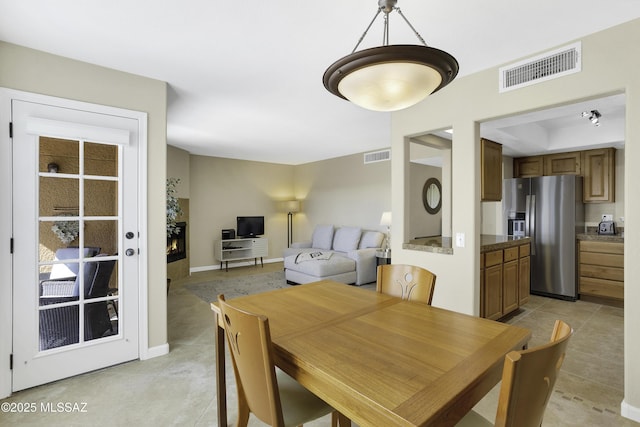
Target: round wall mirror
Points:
(432, 195)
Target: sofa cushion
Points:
(337, 264)
(322, 237)
(371, 239)
(346, 239)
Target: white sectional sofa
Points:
(343, 254)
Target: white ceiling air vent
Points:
(550, 65)
(377, 156)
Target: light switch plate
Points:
(607, 217)
(460, 240)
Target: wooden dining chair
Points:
(528, 378)
(407, 282)
(264, 390)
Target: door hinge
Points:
(11, 361)
(11, 245)
(10, 129)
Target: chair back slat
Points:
(528, 379)
(249, 342)
(407, 282)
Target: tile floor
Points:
(179, 388)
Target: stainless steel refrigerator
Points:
(551, 210)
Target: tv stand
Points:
(241, 249)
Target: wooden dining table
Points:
(377, 359)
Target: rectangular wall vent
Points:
(550, 65)
(377, 156)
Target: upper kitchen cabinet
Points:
(527, 167)
(599, 175)
(491, 170)
(597, 167)
(563, 164)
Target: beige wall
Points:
(38, 72)
(607, 68)
(342, 191)
(222, 189)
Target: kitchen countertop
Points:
(490, 243)
(435, 244)
(444, 245)
(616, 238)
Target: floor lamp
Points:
(386, 220)
(293, 206)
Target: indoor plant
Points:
(173, 207)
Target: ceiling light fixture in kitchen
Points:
(593, 116)
(390, 77)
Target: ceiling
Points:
(560, 129)
(245, 78)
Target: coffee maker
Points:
(516, 225)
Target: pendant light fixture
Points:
(390, 77)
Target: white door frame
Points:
(6, 279)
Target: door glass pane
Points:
(98, 322)
(100, 159)
(78, 278)
(100, 197)
(59, 156)
(59, 196)
(58, 327)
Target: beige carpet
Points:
(238, 286)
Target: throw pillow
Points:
(371, 239)
(322, 237)
(346, 239)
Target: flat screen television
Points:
(250, 226)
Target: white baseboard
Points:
(235, 264)
(156, 351)
(631, 412)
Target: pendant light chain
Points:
(411, 26)
(366, 30)
(385, 35)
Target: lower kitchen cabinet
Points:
(491, 304)
(504, 280)
(601, 270)
(510, 281)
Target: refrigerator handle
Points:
(531, 221)
(527, 202)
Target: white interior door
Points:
(75, 251)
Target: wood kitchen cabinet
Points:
(597, 167)
(527, 167)
(563, 163)
(492, 290)
(491, 170)
(601, 270)
(510, 280)
(505, 277)
(599, 175)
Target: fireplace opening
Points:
(177, 243)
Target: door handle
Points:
(130, 252)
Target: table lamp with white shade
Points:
(386, 220)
